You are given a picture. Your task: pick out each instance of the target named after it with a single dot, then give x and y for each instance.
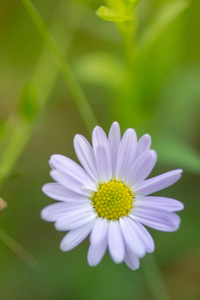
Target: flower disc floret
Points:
(113, 200)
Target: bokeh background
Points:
(158, 94)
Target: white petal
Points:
(141, 168)
(144, 236)
(99, 232)
(159, 202)
(157, 183)
(114, 138)
(75, 218)
(96, 253)
(69, 182)
(58, 192)
(76, 236)
(126, 153)
(51, 165)
(89, 189)
(102, 154)
(131, 238)
(71, 168)
(99, 242)
(53, 212)
(131, 259)
(156, 218)
(85, 155)
(115, 242)
(143, 144)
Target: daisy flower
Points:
(107, 197)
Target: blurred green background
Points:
(157, 92)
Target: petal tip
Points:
(117, 260)
(147, 138)
(76, 137)
(97, 128)
(43, 188)
(63, 247)
(57, 227)
(43, 215)
(52, 173)
(153, 153)
(115, 124)
(178, 171)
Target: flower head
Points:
(107, 196)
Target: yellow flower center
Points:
(113, 200)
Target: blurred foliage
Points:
(142, 68)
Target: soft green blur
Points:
(141, 69)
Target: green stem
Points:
(127, 30)
(18, 250)
(73, 85)
(154, 279)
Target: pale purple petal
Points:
(104, 166)
(99, 232)
(85, 155)
(141, 168)
(89, 189)
(144, 144)
(114, 138)
(75, 218)
(159, 202)
(74, 237)
(115, 242)
(99, 242)
(131, 260)
(58, 192)
(53, 212)
(156, 218)
(69, 182)
(157, 183)
(102, 154)
(51, 165)
(96, 253)
(71, 168)
(126, 153)
(144, 236)
(131, 238)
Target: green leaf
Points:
(166, 15)
(100, 68)
(108, 14)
